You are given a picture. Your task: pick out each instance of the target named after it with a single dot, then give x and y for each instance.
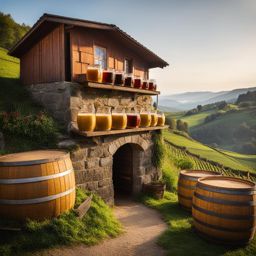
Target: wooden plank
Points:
(7, 228)
(120, 88)
(112, 132)
(84, 207)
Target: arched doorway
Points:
(126, 162)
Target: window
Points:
(128, 66)
(100, 56)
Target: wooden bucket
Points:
(155, 189)
(187, 184)
(36, 185)
(224, 209)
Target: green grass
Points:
(9, 66)
(197, 119)
(249, 160)
(181, 240)
(207, 152)
(13, 95)
(97, 224)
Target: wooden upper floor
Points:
(59, 48)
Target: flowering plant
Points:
(39, 127)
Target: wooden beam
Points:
(84, 207)
(81, 79)
(113, 132)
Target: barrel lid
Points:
(198, 173)
(32, 157)
(227, 183)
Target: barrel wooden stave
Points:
(39, 211)
(227, 216)
(187, 185)
(58, 182)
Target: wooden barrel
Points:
(36, 184)
(224, 209)
(187, 184)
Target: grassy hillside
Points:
(13, 96)
(230, 131)
(197, 119)
(247, 163)
(9, 66)
(16, 101)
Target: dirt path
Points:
(142, 228)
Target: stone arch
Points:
(134, 139)
(135, 147)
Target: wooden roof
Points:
(48, 22)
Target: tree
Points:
(199, 107)
(10, 31)
(182, 126)
(171, 122)
(185, 127)
(222, 105)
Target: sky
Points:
(209, 45)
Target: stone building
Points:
(54, 56)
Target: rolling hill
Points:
(229, 159)
(189, 100)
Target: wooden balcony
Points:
(81, 79)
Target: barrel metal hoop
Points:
(35, 179)
(226, 191)
(36, 200)
(238, 230)
(186, 186)
(221, 240)
(224, 216)
(185, 197)
(33, 162)
(224, 202)
(185, 177)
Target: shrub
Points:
(171, 122)
(158, 150)
(183, 163)
(182, 126)
(40, 127)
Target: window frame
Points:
(94, 55)
(131, 66)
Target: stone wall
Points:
(93, 157)
(93, 161)
(65, 99)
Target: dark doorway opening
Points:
(67, 57)
(123, 170)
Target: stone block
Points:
(113, 102)
(91, 162)
(125, 101)
(128, 139)
(112, 148)
(104, 183)
(92, 186)
(96, 152)
(79, 154)
(106, 161)
(97, 175)
(78, 165)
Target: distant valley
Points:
(189, 100)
